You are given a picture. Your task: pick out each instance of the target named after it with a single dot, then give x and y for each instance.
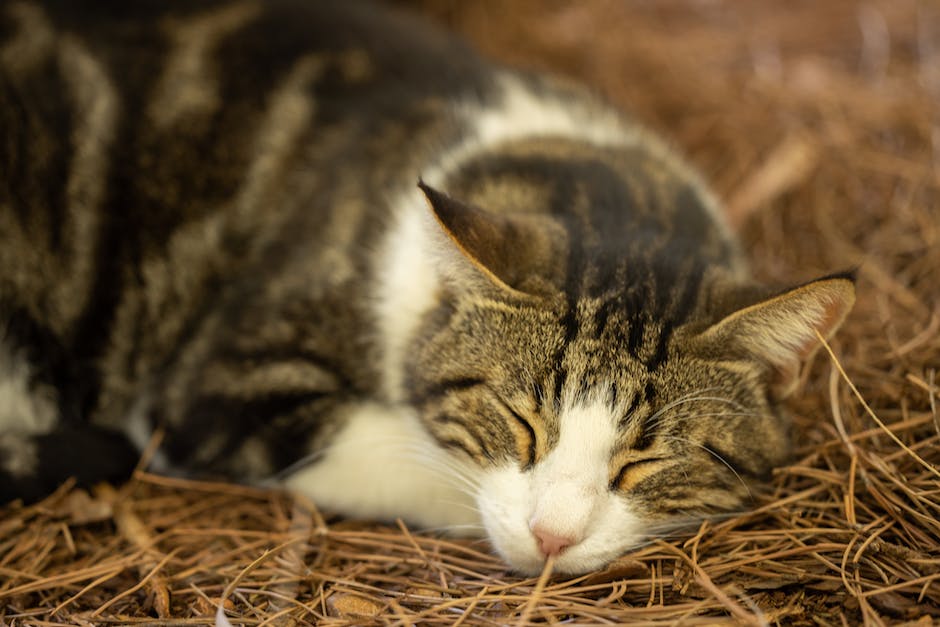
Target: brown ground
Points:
(819, 122)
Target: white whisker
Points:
(719, 458)
(455, 529)
(717, 399)
(467, 506)
(691, 414)
(453, 468)
(691, 396)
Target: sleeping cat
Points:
(325, 246)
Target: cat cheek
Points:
(505, 501)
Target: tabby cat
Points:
(324, 246)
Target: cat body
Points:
(327, 246)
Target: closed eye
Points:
(633, 472)
(529, 445)
(525, 436)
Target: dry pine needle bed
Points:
(819, 123)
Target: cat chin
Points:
(508, 502)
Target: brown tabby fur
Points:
(192, 200)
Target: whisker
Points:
(407, 450)
(472, 508)
(719, 458)
(691, 398)
(436, 461)
(717, 399)
(455, 528)
(668, 406)
(691, 414)
(749, 414)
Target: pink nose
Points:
(550, 543)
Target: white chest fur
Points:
(382, 465)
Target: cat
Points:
(326, 246)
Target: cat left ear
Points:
(517, 253)
(781, 331)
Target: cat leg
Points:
(26, 411)
(38, 450)
(34, 465)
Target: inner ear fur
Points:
(517, 253)
(781, 331)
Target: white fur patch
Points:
(18, 455)
(521, 114)
(565, 494)
(573, 476)
(23, 410)
(383, 465)
(407, 286)
(138, 428)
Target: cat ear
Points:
(516, 253)
(781, 331)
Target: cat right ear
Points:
(521, 254)
(781, 331)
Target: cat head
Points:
(589, 420)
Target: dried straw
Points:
(819, 122)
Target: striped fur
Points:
(211, 223)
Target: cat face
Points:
(591, 425)
(585, 453)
